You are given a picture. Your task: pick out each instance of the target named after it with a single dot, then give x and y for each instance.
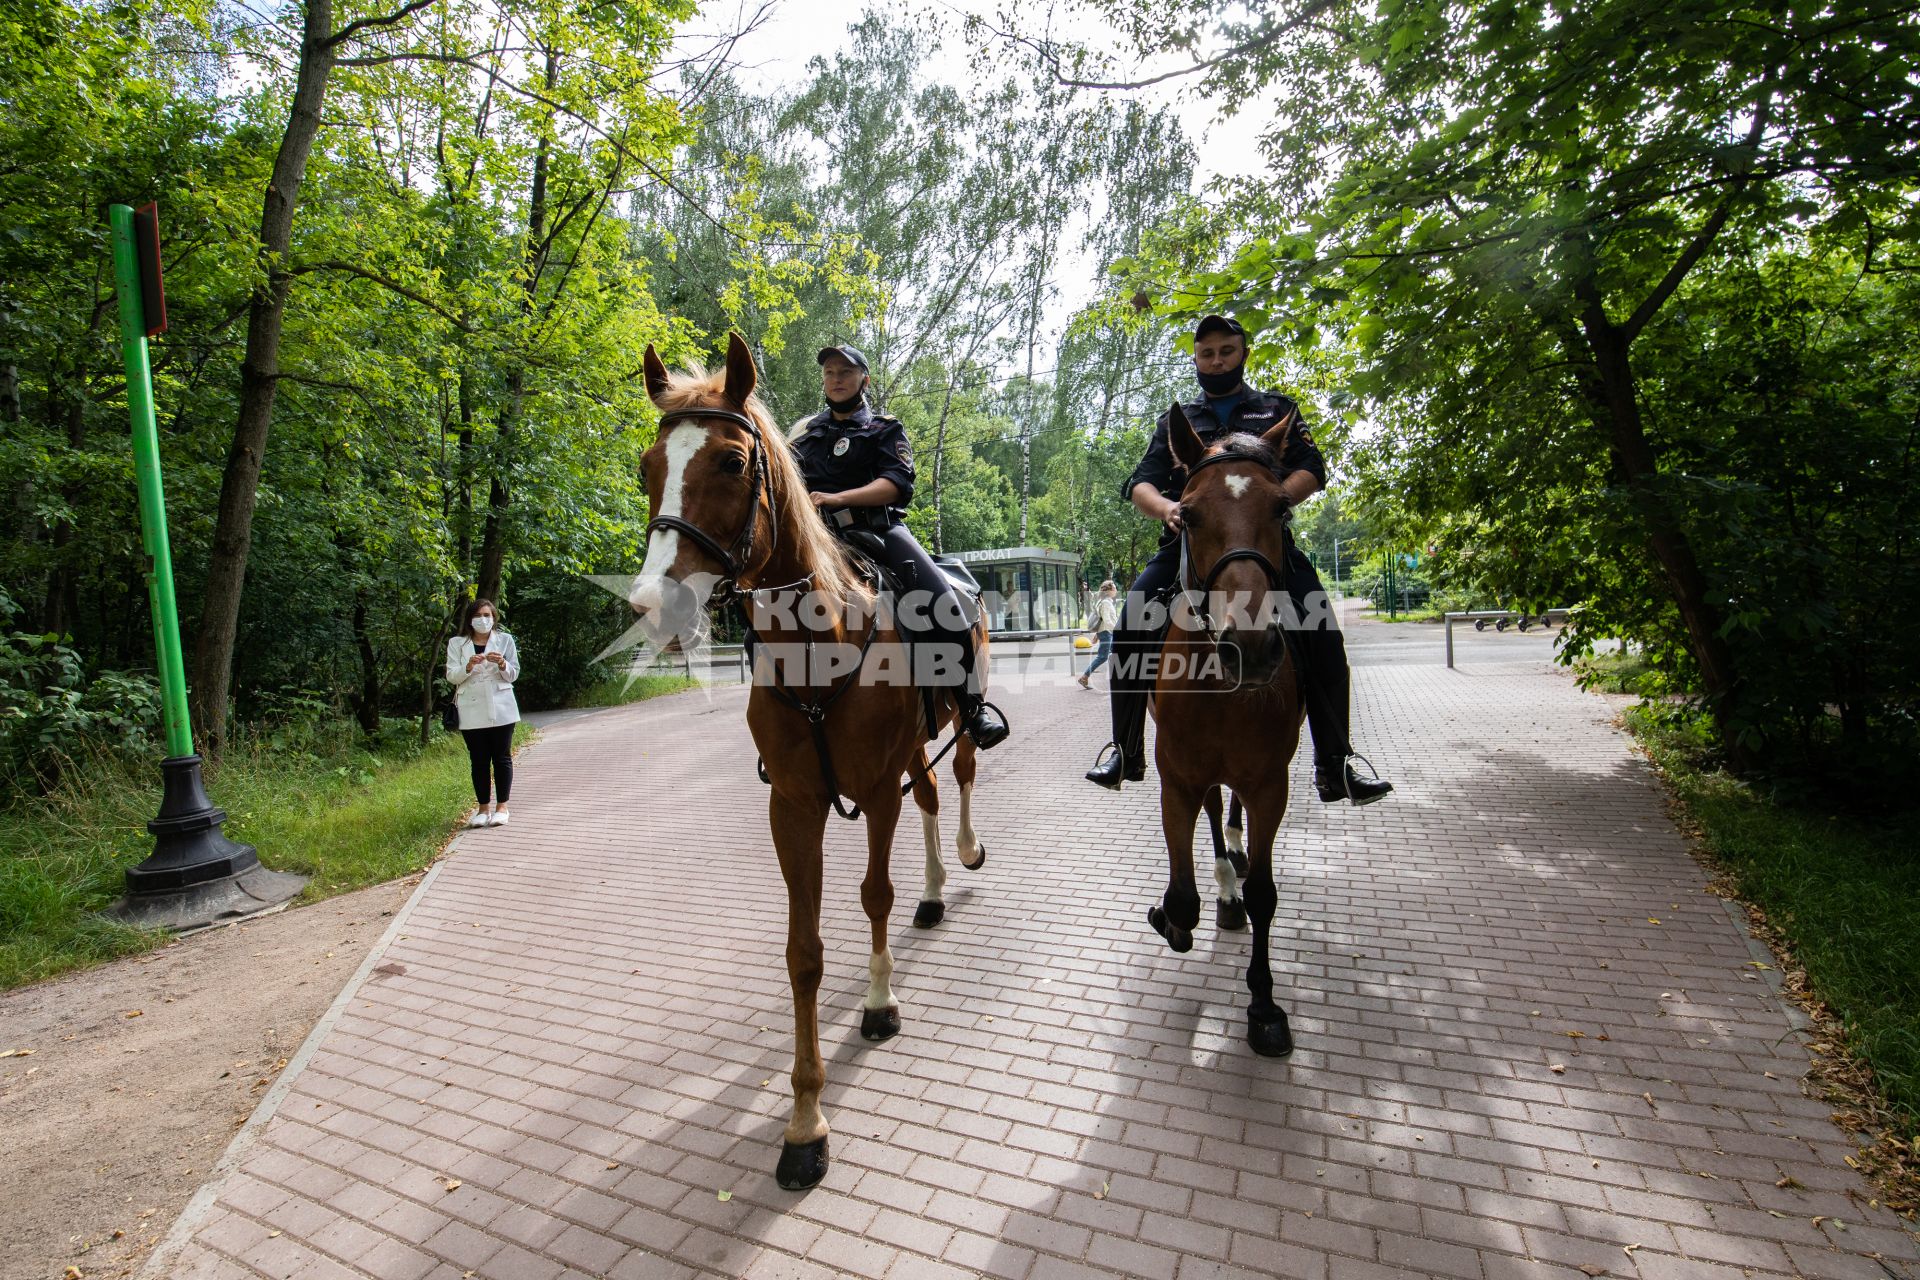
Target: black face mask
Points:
(1220, 384)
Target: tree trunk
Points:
(9, 377)
(1639, 466)
(62, 605)
(493, 541)
(939, 466)
(259, 378)
(493, 534)
(366, 703)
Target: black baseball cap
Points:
(850, 354)
(1217, 324)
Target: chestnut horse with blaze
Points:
(1225, 696)
(732, 515)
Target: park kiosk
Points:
(195, 875)
(1028, 590)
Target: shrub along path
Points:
(1530, 1044)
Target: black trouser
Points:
(942, 616)
(490, 747)
(1321, 648)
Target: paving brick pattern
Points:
(1529, 1044)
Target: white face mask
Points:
(483, 624)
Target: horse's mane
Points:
(822, 553)
(1243, 444)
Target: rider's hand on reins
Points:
(825, 500)
(1172, 519)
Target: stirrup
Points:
(1342, 788)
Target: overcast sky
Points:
(776, 54)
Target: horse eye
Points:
(733, 464)
(1282, 510)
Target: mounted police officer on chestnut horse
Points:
(1226, 407)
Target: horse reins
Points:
(1228, 557)
(733, 559)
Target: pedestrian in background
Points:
(1101, 621)
(482, 663)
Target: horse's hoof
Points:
(802, 1164)
(1238, 859)
(1269, 1036)
(929, 914)
(880, 1024)
(1179, 939)
(977, 863)
(1230, 916)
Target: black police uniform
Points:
(1323, 648)
(837, 454)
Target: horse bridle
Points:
(1227, 557)
(736, 559)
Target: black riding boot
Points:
(1327, 682)
(983, 724)
(1136, 646)
(1125, 758)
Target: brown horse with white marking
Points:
(1225, 697)
(731, 513)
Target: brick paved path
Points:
(1529, 1045)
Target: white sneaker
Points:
(499, 819)
(480, 818)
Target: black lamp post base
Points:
(196, 876)
(211, 902)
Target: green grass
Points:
(616, 692)
(345, 814)
(325, 803)
(1618, 672)
(1842, 890)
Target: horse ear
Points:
(656, 371)
(1275, 437)
(1182, 439)
(741, 375)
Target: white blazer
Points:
(484, 696)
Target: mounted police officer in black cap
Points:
(1229, 405)
(859, 467)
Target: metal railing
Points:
(1480, 617)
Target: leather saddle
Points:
(871, 549)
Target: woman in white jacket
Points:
(482, 664)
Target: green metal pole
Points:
(153, 498)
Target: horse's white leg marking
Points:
(879, 980)
(967, 842)
(1225, 880)
(663, 548)
(1233, 840)
(936, 870)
